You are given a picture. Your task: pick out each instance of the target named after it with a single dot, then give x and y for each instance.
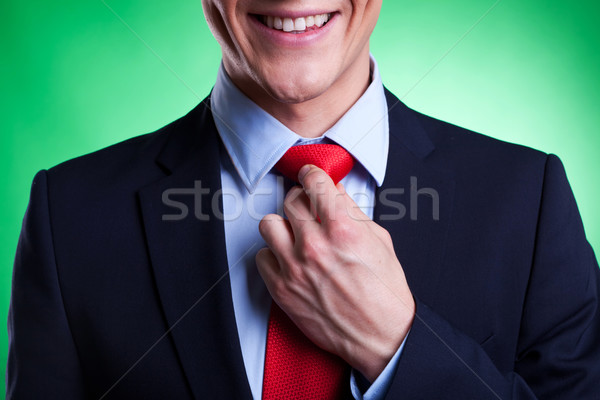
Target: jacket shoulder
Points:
(115, 159)
(470, 152)
(137, 160)
(448, 136)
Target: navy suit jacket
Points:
(109, 298)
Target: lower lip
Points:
(289, 39)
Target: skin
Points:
(293, 84)
(337, 277)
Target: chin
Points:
(295, 95)
(295, 86)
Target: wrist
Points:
(374, 359)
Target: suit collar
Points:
(415, 202)
(189, 258)
(255, 140)
(186, 244)
(187, 137)
(405, 129)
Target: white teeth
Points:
(310, 21)
(288, 25)
(319, 20)
(297, 24)
(300, 24)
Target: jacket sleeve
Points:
(558, 349)
(42, 358)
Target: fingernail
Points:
(303, 171)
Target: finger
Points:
(298, 209)
(357, 214)
(278, 235)
(352, 209)
(268, 267)
(321, 191)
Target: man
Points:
(446, 264)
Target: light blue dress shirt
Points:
(254, 141)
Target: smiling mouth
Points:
(295, 25)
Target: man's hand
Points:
(336, 276)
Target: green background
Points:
(74, 78)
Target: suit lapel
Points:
(415, 202)
(188, 251)
(186, 243)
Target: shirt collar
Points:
(255, 140)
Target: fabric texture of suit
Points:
(109, 297)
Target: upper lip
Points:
(292, 14)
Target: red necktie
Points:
(295, 368)
(331, 158)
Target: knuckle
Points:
(311, 249)
(261, 257)
(292, 204)
(343, 231)
(292, 273)
(293, 194)
(279, 290)
(290, 209)
(314, 177)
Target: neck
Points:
(313, 117)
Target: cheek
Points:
(372, 13)
(218, 17)
(367, 12)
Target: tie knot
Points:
(331, 158)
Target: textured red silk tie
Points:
(331, 158)
(295, 368)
